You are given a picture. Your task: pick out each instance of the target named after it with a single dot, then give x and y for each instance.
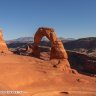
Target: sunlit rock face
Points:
(57, 48)
(3, 46)
(58, 51)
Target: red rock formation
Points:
(57, 49)
(3, 46)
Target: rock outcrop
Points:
(3, 46)
(82, 62)
(57, 49)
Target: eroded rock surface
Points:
(82, 62)
(3, 46)
(58, 51)
(57, 48)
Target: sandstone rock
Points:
(3, 46)
(64, 65)
(36, 51)
(57, 49)
(82, 80)
(82, 62)
(61, 64)
(42, 32)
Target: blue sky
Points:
(69, 18)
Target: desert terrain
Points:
(36, 77)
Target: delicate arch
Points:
(48, 32)
(57, 49)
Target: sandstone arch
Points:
(57, 48)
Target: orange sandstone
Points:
(3, 46)
(58, 51)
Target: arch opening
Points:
(45, 48)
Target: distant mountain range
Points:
(31, 39)
(69, 43)
(86, 43)
(22, 40)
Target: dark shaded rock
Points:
(82, 62)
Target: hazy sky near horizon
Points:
(69, 18)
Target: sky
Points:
(69, 18)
